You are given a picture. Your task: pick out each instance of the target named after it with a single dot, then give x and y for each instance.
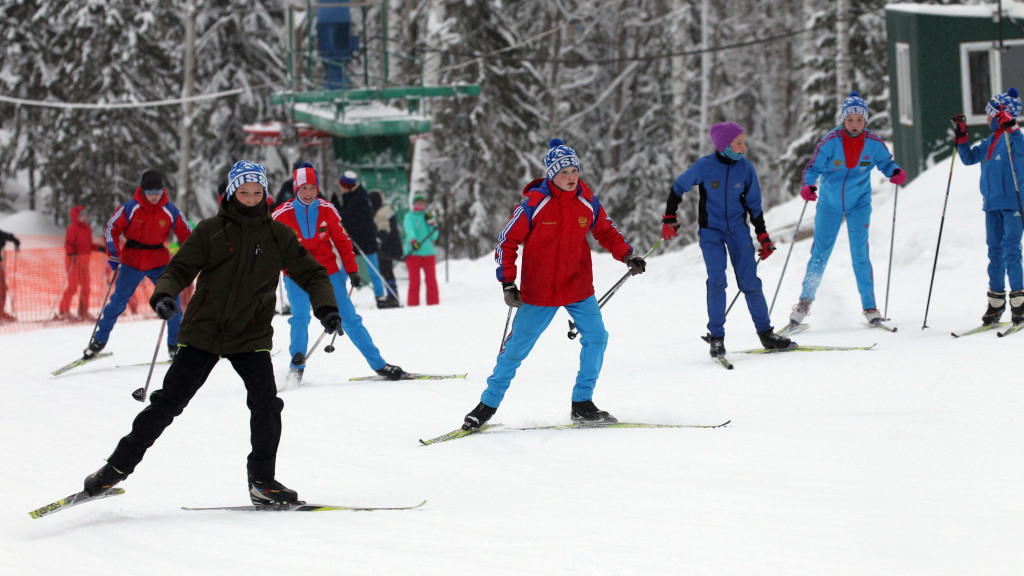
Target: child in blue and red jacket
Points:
(1001, 202)
(843, 160)
(729, 192)
(552, 225)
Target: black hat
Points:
(152, 180)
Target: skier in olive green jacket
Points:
(240, 254)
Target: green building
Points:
(945, 60)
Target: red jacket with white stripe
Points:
(552, 226)
(317, 226)
(145, 228)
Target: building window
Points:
(985, 70)
(904, 94)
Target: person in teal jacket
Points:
(420, 233)
(842, 164)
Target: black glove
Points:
(355, 279)
(165, 307)
(512, 296)
(330, 319)
(959, 128)
(636, 264)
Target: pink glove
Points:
(899, 177)
(809, 193)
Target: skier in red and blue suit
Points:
(552, 225)
(146, 222)
(843, 160)
(318, 227)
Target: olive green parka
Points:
(239, 259)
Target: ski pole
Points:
(99, 316)
(788, 254)
(375, 271)
(505, 333)
(611, 292)
(330, 347)
(939, 241)
(738, 292)
(140, 393)
(317, 343)
(892, 242)
(1013, 171)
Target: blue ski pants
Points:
(713, 244)
(351, 322)
(529, 324)
(127, 281)
(826, 228)
(1003, 234)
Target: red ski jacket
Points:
(552, 226)
(145, 228)
(317, 226)
(78, 239)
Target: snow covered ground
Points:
(906, 459)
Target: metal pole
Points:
(942, 223)
(788, 254)
(892, 242)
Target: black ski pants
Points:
(187, 374)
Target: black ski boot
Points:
(1017, 306)
(586, 412)
(93, 349)
(478, 416)
(102, 479)
(717, 345)
(772, 341)
(996, 307)
(296, 369)
(271, 493)
(391, 372)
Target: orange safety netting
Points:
(36, 279)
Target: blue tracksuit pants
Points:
(713, 244)
(351, 322)
(127, 281)
(527, 327)
(826, 228)
(1003, 234)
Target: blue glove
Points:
(113, 263)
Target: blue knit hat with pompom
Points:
(1009, 100)
(853, 104)
(559, 157)
(242, 172)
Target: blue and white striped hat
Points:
(853, 104)
(559, 157)
(242, 172)
(1010, 100)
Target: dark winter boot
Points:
(772, 341)
(586, 412)
(1017, 306)
(382, 302)
(270, 493)
(391, 372)
(996, 307)
(93, 349)
(717, 345)
(478, 416)
(103, 479)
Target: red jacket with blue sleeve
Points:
(552, 227)
(145, 227)
(317, 226)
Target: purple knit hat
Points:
(724, 133)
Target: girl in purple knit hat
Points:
(729, 192)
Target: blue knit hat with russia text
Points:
(559, 157)
(854, 104)
(242, 172)
(1010, 100)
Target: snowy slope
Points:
(903, 460)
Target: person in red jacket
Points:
(317, 224)
(145, 222)
(78, 246)
(552, 225)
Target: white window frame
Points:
(995, 73)
(904, 87)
